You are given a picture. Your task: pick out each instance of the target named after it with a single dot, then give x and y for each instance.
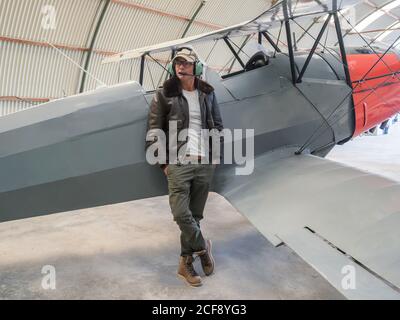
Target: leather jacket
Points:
(169, 104)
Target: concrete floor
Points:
(130, 250)
(377, 154)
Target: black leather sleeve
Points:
(216, 114)
(156, 119)
(217, 120)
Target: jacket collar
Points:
(172, 87)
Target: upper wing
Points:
(332, 215)
(273, 16)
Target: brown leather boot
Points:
(186, 271)
(207, 260)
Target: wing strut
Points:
(234, 52)
(341, 43)
(313, 48)
(289, 40)
(272, 43)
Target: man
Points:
(187, 102)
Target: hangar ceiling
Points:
(45, 44)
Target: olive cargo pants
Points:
(188, 186)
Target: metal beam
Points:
(240, 49)
(166, 14)
(234, 52)
(316, 42)
(26, 99)
(289, 41)
(92, 41)
(41, 44)
(141, 75)
(341, 43)
(58, 46)
(272, 43)
(191, 21)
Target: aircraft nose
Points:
(376, 96)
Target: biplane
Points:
(88, 150)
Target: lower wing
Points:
(343, 221)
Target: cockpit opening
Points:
(259, 59)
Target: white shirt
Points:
(195, 145)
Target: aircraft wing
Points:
(272, 17)
(337, 218)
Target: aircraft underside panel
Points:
(329, 213)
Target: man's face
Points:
(183, 66)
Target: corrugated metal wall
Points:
(25, 19)
(9, 107)
(31, 71)
(29, 68)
